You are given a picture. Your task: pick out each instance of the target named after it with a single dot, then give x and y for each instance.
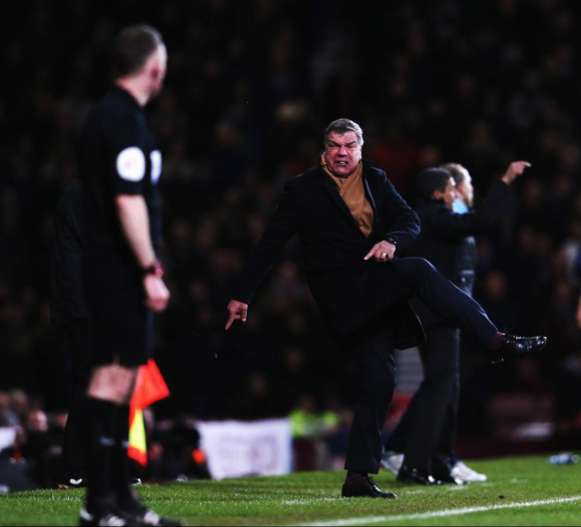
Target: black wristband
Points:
(392, 241)
(155, 269)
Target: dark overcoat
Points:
(348, 290)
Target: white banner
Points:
(7, 437)
(236, 448)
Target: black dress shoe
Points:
(416, 476)
(360, 486)
(515, 345)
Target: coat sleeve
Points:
(281, 227)
(452, 226)
(404, 223)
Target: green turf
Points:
(309, 497)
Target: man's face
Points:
(157, 69)
(342, 153)
(465, 189)
(448, 195)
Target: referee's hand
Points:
(156, 293)
(236, 311)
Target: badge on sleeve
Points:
(131, 164)
(155, 157)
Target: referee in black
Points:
(120, 167)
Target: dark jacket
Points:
(349, 291)
(67, 295)
(447, 238)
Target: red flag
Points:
(149, 388)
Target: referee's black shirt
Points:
(117, 155)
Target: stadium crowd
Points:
(250, 85)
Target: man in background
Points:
(70, 316)
(421, 449)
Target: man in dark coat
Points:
(351, 221)
(70, 316)
(423, 443)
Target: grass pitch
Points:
(519, 491)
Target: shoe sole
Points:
(391, 496)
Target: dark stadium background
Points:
(251, 85)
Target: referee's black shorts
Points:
(121, 325)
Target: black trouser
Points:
(372, 349)
(373, 379)
(427, 430)
(428, 427)
(78, 368)
(446, 300)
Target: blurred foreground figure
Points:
(351, 223)
(70, 316)
(120, 167)
(421, 449)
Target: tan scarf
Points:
(353, 194)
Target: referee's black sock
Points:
(100, 442)
(126, 498)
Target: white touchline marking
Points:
(441, 513)
(308, 501)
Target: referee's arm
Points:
(134, 220)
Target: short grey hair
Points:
(342, 126)
(132, 47)
(456, 170)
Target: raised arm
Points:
(452, 226)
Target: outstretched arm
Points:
(282, 225)
(452, 226)
(514, 170)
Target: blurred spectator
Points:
(43, 449)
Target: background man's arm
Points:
(452, 226)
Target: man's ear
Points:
(155, 72)
(437, 195)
